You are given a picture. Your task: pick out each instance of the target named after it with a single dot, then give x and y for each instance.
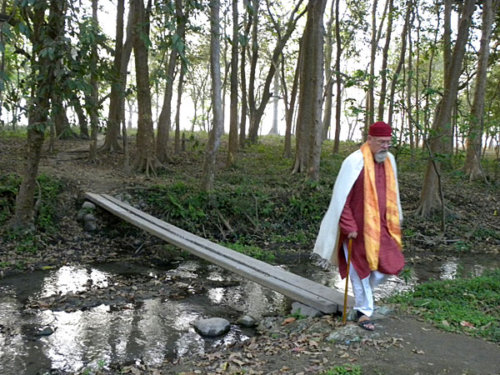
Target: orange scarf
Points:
(371, 210)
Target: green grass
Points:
(467, 306)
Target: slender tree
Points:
(431, 196)
(146, 160)
(257, 111)
(327, 113)
(43, 31)
(244, 46)
(94, 95)
(111, 143)
(476, 124)
(208, 176)
(338, 79)
(289, 101)
(385, 55)
(309, 124)
(165, 120)
(370, 97)
(402, 53)
(233, 114)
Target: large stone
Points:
(88, 206)
(247, 321)
(351, 333)
(89, 226)
(88, 217)
(212, 327)
(304, 310)
(81, 213)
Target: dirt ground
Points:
(400, 345)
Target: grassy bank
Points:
(468, 306)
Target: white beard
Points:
(380, 156)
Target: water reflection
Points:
(69, 279)
(151, 332)
(445, 269)
(157, 329)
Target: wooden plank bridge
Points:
(310, 293)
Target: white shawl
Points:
(327, 242)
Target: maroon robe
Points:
(391, 259)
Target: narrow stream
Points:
(76, 318)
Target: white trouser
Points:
(363, 288)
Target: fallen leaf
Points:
(463, 323)
(238, 362)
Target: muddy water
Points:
(104, 325)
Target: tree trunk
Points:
(402, 53)
(111, 143)
(430, 200)
(165, 120)
(338, 78)
(208, 176)
(256, 113)
(146, 158)
(370, 97)
(447, 133)
(244, 95)
(38, 105)
(327, 115)
(290, 103)
(177, 144)
(417, 83)
(82, 119)
(425, 129)
(276, 99)
(254, 57)
(61, 123)
(309, 138)
(409, 85)
(385, 54)
(94, 96)
(476, 124)
(233, 114)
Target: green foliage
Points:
(406, 274)
(9, 185)
(253, 251)
(249, 214)
(46, 218)
(462, 305)
(297, 315)
(50, 189)
(26, 244)
(486, 233)
(462, 246)
(344, 370)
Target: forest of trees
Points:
(427, 67)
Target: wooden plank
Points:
(250, 262)
(296, 287)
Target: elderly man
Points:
(366, 208)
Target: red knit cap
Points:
(380, 129)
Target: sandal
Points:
(365, 323)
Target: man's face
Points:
(379, 147)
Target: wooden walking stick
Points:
(349, 250)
